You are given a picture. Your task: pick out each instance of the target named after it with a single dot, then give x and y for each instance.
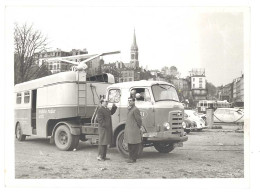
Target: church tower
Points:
(134, 63)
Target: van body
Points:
(161, 112)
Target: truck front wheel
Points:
(64, 140)
(164, 147)
(122, 146)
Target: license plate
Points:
(179, 144)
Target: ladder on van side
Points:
(82, 96)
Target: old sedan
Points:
(188, 125)
(193, 116)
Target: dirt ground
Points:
(215, 153)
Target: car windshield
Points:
(164, 92)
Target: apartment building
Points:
(198, 84)
(57, 66)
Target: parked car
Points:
(193, 116)
(188, 125)
(229, 115)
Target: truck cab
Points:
(160, 109)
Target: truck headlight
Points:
(166, 126)
(184, 125)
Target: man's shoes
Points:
(100, 159)
(131, 161)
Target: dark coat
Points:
(105, 125)
(133, 134)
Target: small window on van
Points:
(18, 98)
(26, 97)
(144, 94)
(114, 95)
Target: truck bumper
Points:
(165, 136)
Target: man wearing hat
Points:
(104, 128)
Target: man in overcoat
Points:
(133, 134)
(104, 128)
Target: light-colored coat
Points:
(105, 125)
(133, 134)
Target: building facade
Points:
(238, 91)
(57, 65)
(198, 84)
(233, 92)
(127, 75)
(225, 92)
(94, 66)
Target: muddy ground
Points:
(215, 153)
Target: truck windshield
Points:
(164, 92)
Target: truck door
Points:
(144, 104)
(114, 98)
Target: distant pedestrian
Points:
(104, 128)
(132, 134)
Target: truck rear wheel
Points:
(64, 140)
(19, 133)
(164, 147)
(122, 146)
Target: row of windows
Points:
(126, 79)
(200, 86)
(53, 63)
(26, 98)
(200, 79)
(54, 67)
(125, 74)
(52, 54)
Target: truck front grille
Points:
(175, 119)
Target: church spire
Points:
(134, 45)
(134, 53)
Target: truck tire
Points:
(122, 147)
(164, 147)
(64, 140)
(19, 133)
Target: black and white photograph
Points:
(127, 91)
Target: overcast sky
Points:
(185, 37)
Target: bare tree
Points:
(28, 42)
